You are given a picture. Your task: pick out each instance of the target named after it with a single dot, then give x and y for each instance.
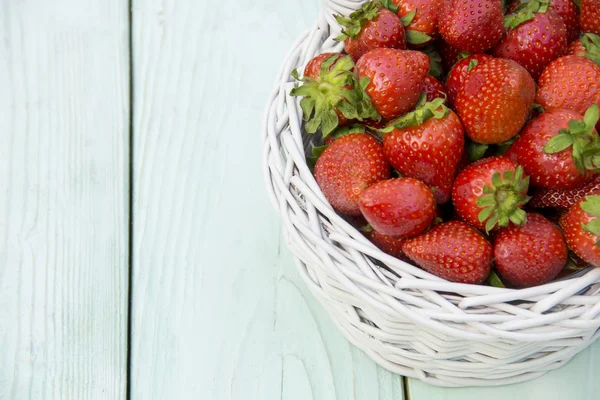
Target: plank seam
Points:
(130, 205)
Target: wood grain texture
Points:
(219, 311)
(578, 380)
(63, 199)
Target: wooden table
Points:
(138, 251)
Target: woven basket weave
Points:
(407, 320)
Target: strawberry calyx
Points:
(525, 12)
(502, 201)
(354, 23)
(583, 140)
(337, 88)
(591, 206)
(591, 43)
(424, 111)
(435, 61)
(414, 36)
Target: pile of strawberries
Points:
(489, 177)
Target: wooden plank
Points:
(578, 380)
(63, 199)
(219, 311)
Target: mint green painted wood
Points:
(63, 199)
(578, 380)
(219, 311)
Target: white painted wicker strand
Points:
(409, 321)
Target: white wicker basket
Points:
(407, 320)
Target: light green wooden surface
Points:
(218, 310)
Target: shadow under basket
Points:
(407, 320)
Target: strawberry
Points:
(347, 167)
(589, 18)
(332, 95)
(433, 89)
(395, 79)
(420, 20)
(495, 101)
(587, 46)
(400, 207)
(371, 27)
(426, 144)
(452, 250)
(530, 255)
(570, 82)
(459, 71)
(562, 199)
(388, 244)
(491, 192)
(581, 227)
(568, 11)
(559, 149)
(536, 35)
(471, 25)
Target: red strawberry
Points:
(427, 144)
(398, 207)
(543, 198)
(559, 149)
(347, 167)
(588, 46)
(532, 254)
(495, 101)
(491, 192)
(371, 27)
(589, 18)
(576, 48)
(388, 244)
(567, 10)
(331, 93)
(570, 82)
(471, 25)
(420, 19)
(433, 89)
(581, 227)
(453, 251)
(450, 55)
(536, 35)
(396, 79)
(459, 71)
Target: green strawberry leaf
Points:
(502, 201)
(591, 205)
(593, 227)
(538, 107)
(408, 18)
(336, 90)
(476, 150)
(424, 111)
(435, 61)
(463, 54)
(472, 64)
(354, 23)
(591, 116)
(558, 143)
(494, 280)
(416, 37)
(525, 12)
(318, 150)
(390, 6)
